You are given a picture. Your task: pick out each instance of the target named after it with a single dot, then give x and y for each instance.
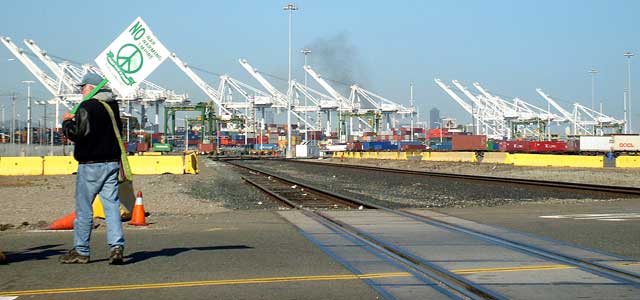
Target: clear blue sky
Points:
(511, 47)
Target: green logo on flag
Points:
(129, 60)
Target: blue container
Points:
(265, 146)
(131, 147)
(441, 147)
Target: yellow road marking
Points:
(278, 279)
(512, 269)
(204, 283)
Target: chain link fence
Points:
(35, 150)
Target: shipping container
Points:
(270, 147)
(338, 147)
(206, 148)
(440, 147)
(159, 147)
(377, 146)
(142, 147)
(469, 142)
(407, 148)
(626, 143)
(573, 146)
(547, 147)
(517, 146)
(354, 146)
(600, 144)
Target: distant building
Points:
(434, 118)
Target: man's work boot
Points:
(73, 257)
(116, 255)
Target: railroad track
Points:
(291, 192)
(576, 187)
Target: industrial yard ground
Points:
(30, 202)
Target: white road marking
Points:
(7, 298)
(616, 217)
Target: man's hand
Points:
(67, 116)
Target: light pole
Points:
(411, 100)
(3, 120)
(290, 7)
(593, 73)
(628, 55)
(13, 120)
(44, 117)
(20, 136)
(306, 52)
(28, 83)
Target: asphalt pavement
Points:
(609, 226)
(231, 255)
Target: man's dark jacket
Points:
(92, 130)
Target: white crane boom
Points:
(46, 80)
(564, 113)
(54, 67)
(455, 97)
(275, 93)
(342, 101)
(206, 88)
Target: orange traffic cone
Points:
(137, 218)
(63, 223)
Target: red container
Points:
(437, 132)
(206, 148)
(502, 146)
(413, 147)
(517, 146)
(354, 146)
(262, 139)
(142, 147)
(547, 147)
(573, 146)
(469, 143)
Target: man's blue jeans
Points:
(91, 180)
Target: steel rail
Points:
(456, 283)
(593, 267)
(582, 187)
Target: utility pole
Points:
(13, 120)
(28, 83)
(412, 108)
(306, 52)
(290, 7)
(593, 73)
(628, 55)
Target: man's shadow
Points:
(144, 255)
(45, 252)
(36, 253)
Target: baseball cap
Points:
(90, 78)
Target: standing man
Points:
(98, 154)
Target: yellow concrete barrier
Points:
(496, 158)
(550, 160)
(453, 156)
(369, 155)
(152, 153)
(403, 155)
(149, 165)
(628, 162)
(426, 155)
(59, 165)
(387, 155)
(18, 166)
(191, 163)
